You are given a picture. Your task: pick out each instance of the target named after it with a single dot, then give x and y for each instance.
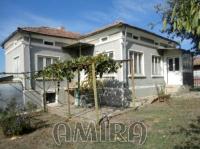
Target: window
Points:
(130, 35)
(170, 64)
(49, 43)
(138, 62)
(48, 61)
(176, 64)
(164, 45)
(173, 64)
(44, 61)
(156, 65)
(40, 63)
(104, 39)
(150, 41)
(16, 64)
(135, 37)
(36, 40)
(109, 54)
(60, 44)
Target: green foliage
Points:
(61, 70)
(182, 18)
(13, 121)
(30, 107)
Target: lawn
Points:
(170, 125)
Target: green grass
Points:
(174, 125)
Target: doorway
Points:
(174, 76)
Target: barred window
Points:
(138, 62)
(156, 65)
(44, 61)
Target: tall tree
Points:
(181, 18)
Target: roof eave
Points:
(10, 36)
(50, 35)
(154, 34)
(125, 24)
(101, 30)
(22, 30)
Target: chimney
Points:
(62, 28)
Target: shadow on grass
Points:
(191, 135)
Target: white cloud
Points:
(41, 20)
(132, 11)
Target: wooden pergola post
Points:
(44, 95)
(68, 101)
(95, 92)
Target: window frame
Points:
(44, 57)
(161, 66)
(107, 52)
(142, 63)
(101, 41)
(49, 42)
(16, 67)
(173, 64)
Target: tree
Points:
(181, 18)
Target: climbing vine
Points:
(67, 69)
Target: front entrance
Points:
(174, 76)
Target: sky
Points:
(81, 16)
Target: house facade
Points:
(157, 60)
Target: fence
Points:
(114, 92)
(10, 91)
(25, 88)
(196, 80)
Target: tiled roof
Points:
(196, 61)
(114, 24)
(120, 24)
(51, 32)
(72, 35)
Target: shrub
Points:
(13, 120)
(30, 107)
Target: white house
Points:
(158, 61)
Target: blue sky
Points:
(76, 15)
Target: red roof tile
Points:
(51, 32)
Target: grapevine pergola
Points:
(93, 66)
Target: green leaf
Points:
(164, 23)
(174, 26)
(173, 12)
(198, 30)
(195, 20)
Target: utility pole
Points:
(132, 80)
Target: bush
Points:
(30, 107)
(13, 120)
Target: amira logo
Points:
(135, 133)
